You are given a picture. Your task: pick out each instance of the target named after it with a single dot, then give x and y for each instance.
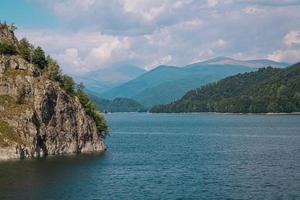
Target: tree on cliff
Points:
(91, 110)
(53, 70)
(39, 58)
(68, 84)
(7, 49)
(25, 49)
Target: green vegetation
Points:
(25, 49)
(39, 58)
(267, 90)
(118, 105)
(51, 70)
(7, 134)
(166, 84)
(91, 110)
(68, 84)
(7, 49)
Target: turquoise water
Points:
(171, 156)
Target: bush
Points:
(39, 58)
(91, 110)
(68, 84)
(7, 49)
(25, 49)
(53, 70)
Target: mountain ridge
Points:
(163, 80)
(269, 89)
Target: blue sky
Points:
(85, 35)
(26, 14)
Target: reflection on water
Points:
(163, 156)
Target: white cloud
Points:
(80, 51)
(212, 3)
(220, 43)
(253, 10)
(290, 52)
(195, 23)
(70, 57)
(161, 61)
(293, 37)
(148, 10)
(96, 33)
(290, 55)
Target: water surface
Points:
(171, 156)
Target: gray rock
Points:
(52, 123)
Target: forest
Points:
(268, 90)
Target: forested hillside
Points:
(266, 90)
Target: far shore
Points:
(217, 113)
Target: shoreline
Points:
(217, 113)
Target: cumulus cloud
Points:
(253, 10)
(212, 3)
(283, 55)
(293, 37)
(96, 34)
(291, 50)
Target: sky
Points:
(86, 35)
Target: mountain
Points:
(118, 105)
(165, 84)
(267, 90)
(40, 113)
(101, 80)
(248, 63)
(152, 78)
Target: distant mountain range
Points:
(165, 84)
(101, 80)
(269, 89)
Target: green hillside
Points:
(118, 105)
(267, 90)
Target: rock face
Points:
(38, 118)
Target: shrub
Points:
(68, 84)
(53, 70)
(39, 58)
(7, 49)
(25, 49)
(91, 110)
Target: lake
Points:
(171, 156)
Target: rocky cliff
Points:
(37, 116)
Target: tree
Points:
(83, 98)
(39, 58)
(90, 109)
(25, 49)
(101, 124)
(68, 84)
(53, 70)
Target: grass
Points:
(8, 135)
(12, 109)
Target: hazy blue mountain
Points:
(160, 74)
(103, 79)
(165, 84)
